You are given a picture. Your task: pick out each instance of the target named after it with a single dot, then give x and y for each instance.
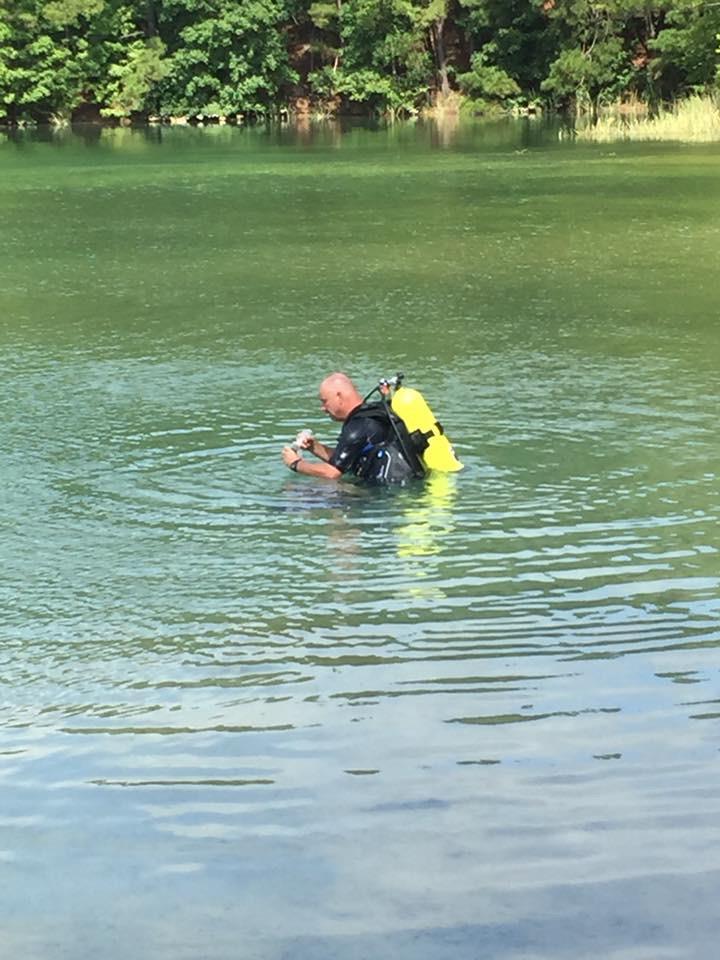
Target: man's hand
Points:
(290, 456)
(304, 440)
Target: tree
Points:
(686, 47)
(595, 61)
(226, 57)
(515, 35)
(487, 83)
(133, 82)
(45, 56)
(383, 62)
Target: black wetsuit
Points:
(368, 448)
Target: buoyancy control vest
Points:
(393, 459)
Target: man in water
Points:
(367, 447)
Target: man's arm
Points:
(318, 449)
(293, 460)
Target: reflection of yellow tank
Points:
(428, 520)
(411, 407)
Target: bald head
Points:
(338, 396)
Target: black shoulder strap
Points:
(375, 411)
(403, 439)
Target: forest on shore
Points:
(239, 60)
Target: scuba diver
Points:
(373, 443)
(391, 440)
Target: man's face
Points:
(331, 403)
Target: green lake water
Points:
(245, 714)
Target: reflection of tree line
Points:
(227, 59)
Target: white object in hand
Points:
(301, 440)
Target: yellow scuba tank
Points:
(411, 407)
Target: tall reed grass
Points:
(693, 120)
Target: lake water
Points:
(246, 714)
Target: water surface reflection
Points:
(243, 711)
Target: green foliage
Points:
(487, 82)
(595, 57)
(383, 60)
(58, 55)
(324, 14)
(583, 77)
(516, 35)
(42, 66)
(227, 57)
(132, 82)
(67, 13)
(687, 47)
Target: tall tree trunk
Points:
(440, 57)
(338, 54)
(151, 28)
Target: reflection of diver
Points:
(390, 440)
(332, 508)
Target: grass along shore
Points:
(694, 120)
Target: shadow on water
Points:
(632, 920)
